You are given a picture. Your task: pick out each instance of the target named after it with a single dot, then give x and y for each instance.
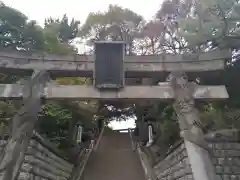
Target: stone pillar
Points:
(150, 135)
(191, 128)
(79, 132)
(22, 127)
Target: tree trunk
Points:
(191, 128)
(22, 128)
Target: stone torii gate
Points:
(109, 84)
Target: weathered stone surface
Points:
(81, 65)
(40, 163)
(191, 127)
(175, 166)
(225, 157)
(61, 92)
(22, 127)
(226, 153)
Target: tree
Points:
(65, 31)
(168, 15)
(12, 21)
(214, 24)
(16, 32)
(149, 38)
(59, 35)
(116, 24)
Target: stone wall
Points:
(175, 166)
(225, 145)
(42, 161)
(225, 148)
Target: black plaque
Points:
(109, 72)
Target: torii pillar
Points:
(23, 125)
(191, 128)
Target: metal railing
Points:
(78, 172)
(148, 170)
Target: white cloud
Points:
(39, 10)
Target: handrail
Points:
(148, 171)
(92, 147)
(132, 140)
(99, 138)
(123, 129)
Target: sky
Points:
(115, 125)
(39, 10)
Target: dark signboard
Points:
(109, 72)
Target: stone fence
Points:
(225, 148)
(42, 161)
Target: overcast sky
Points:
(79, 9)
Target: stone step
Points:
(114, 160)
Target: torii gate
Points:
(109, 85)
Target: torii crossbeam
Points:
(75, 92)
(60, 65)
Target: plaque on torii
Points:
(109, 65)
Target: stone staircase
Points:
(114, 160)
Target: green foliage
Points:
(53, 44)
(215, 118)
(73, 81)
(7, 110)
(65, 31)
(16, 32)
(59, 33)
(215, 22)
(54, 124)
(169, 130)
(168, 127)
(115, 22)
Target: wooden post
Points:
(191, 128)
(22, 128)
